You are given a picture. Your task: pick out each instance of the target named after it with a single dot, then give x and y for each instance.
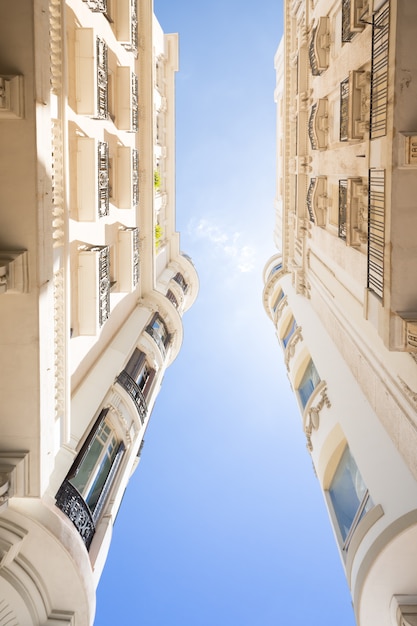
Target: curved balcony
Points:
(134, 392)
(319, 47)
(318, 125)
(70, 502)
(317, 200)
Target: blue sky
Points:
(223, 523)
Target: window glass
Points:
(308, 383)
(95, 466)
(289, 333)
(278, 300)
(349, 495)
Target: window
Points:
(349, 497)
(278, 300)
(139, 371)
(308, 383)
(289, 332)
(84, 492)
(159, 333)
(92, 471)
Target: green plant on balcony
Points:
(158, 235)
(156, 180)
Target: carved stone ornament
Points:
(412, 395)
(290, 350)
(312, 420)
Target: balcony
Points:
(128, 259)
(97, 6)
(353, 211)
(127, 177)
(318, 125)
(319, 48)
(70, 502)
(127, 116)
(91, 74)
(347, 33)
(93, 289)
(317, 200)
(179, 279)
(354, 106)
(376, 232)
(134, 391)
(127, 24)
(379, 73)
(92, 178)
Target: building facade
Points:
(93, 285)
(339, 291)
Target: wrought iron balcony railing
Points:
(102, 78)
(311, 134)
(171, 297)
(344, 110)
(376, 231)
(343, 197)
(135, 107)
(318, 50)
(318, 125)
(70, 502)
(104, 285)
(135, 393)
(179, 279)
(135, 265)
(103, 178)
(135, 177)
(347, 33)
(309, 199)
(98, 6)
(379, 72)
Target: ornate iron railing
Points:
(104, 285)
(309, 199)
(135, 268)
(376, 231)
(179, 279)
(343, 190)
(135, 106)
(347, 34)
(134, 39)
(102, 78)
(135, 177)
(98, 6)
(70, 502)
(134, 392)
(311, 133)
(171, 297)
(312, 54)
(379, 72)
(344, 110)
(103, 178)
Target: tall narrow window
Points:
(349, 497)
(84, 492)
(289, 332)
(159, 333)
(308, 383)
(137, 379)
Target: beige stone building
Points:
(93, 285)
(341, 291)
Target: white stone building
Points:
(93, 285)
(341, 290)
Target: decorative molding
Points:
(11, 97)
(290, 349)
(14, 271)
(16, 466)
(412, 395)
(404, 610)
(312, 419)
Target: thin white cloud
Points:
(242, 255)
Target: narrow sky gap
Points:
(223, 522)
